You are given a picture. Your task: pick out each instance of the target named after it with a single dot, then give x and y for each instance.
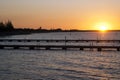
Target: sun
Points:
(103, 28)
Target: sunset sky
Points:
(65, 14)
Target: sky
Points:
(65, 14)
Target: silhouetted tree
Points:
(9, 25)
(2, 26)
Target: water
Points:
(60, 64)
(69, 35)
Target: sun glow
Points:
(103, 27)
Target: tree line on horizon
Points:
(7, 26)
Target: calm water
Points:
(60, 64)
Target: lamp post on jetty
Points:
(64, 47)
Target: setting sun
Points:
(103, 28)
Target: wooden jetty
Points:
(56, 40)
(62, 47)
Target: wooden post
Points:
(65, 40)
(19, 40)
(1, 47)
(38, 41)
(16, 47)
(81, 49)
(28, 40)
(99, 49)
(118, 49)
(64, 48)
(47, 48)
(1, 40)
(9, 40)
(31, 48)
(57, 41)
(47, 40)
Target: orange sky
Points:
(65, 14)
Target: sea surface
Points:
(24, 64)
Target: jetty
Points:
(59, 46)
(62, 47)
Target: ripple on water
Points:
(57, 65)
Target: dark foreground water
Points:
(59, 65)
